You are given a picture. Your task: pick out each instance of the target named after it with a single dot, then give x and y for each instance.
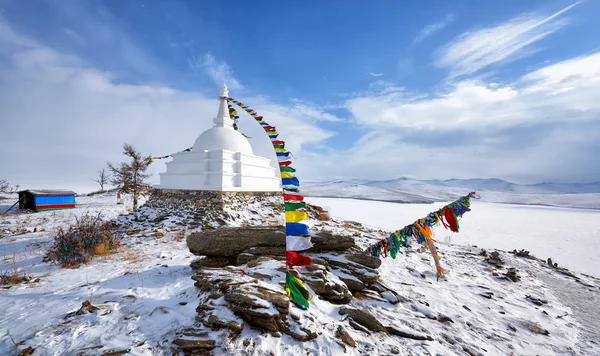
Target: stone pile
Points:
(241, 275)
(338, 265)
(198, 210)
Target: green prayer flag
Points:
(291, 206)
(287, 169)
(279, 146)
(296, 290)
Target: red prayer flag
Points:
(292, 197)
(295, 259)
(285, 163)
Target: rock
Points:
(363, 318)
(357, 326)
(535, 327)
(512, 275)
(390, 297)
(365, 274)
(260, 319)
(116, 352)
(487, 295)
(243, 299)
(204, 307)
(343, 334)
(193, 333)
(216, 322)
(494, 259)
(190, 345)
(304, 335)
(255, 262)
(511, 327)
(364, 259)
(536, 301)
(353, 283)
(280, 300)
(230, 242)
(326, 241)
(444, 318)
(243, 258)
(27, 351)
(522, 253)
(211, 262)
(392, 330)
(327, 286)
(266, 251)
(86, 308)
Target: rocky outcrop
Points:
(338, 266)
(363, 318)
(232, 241)
(327, 241)
(249, 301)
(326, 285)
(364, 259)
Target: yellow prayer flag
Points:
(287, 175)
(280, 150)
(295, 216)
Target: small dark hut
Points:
(46, 199)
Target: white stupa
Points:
(221, 160)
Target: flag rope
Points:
(422, 232)
(297, 236)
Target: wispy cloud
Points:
(375, 74)
(66, 93)
(473, 51)
(433, 28)
(219, 71)
(542, 126)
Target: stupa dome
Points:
(222, 160)
(223, 138)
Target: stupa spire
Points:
(223, 119)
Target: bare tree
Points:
(5, 187)
(130, 176)
(103, 179)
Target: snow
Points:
(145, 292)
(571, 237)
(407, 190)
(140, 290)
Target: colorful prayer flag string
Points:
(297, 236)
(233, 115)
(154, 158)
(422, 232)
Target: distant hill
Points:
(408, 190)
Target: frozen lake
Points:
(571, 237)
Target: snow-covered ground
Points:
(145, 292)
(571, 237)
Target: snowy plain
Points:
(571, 237)
(145, 292)
(408, 190)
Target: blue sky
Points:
(373, 90)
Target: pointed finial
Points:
(223, 119)
(224, 93)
